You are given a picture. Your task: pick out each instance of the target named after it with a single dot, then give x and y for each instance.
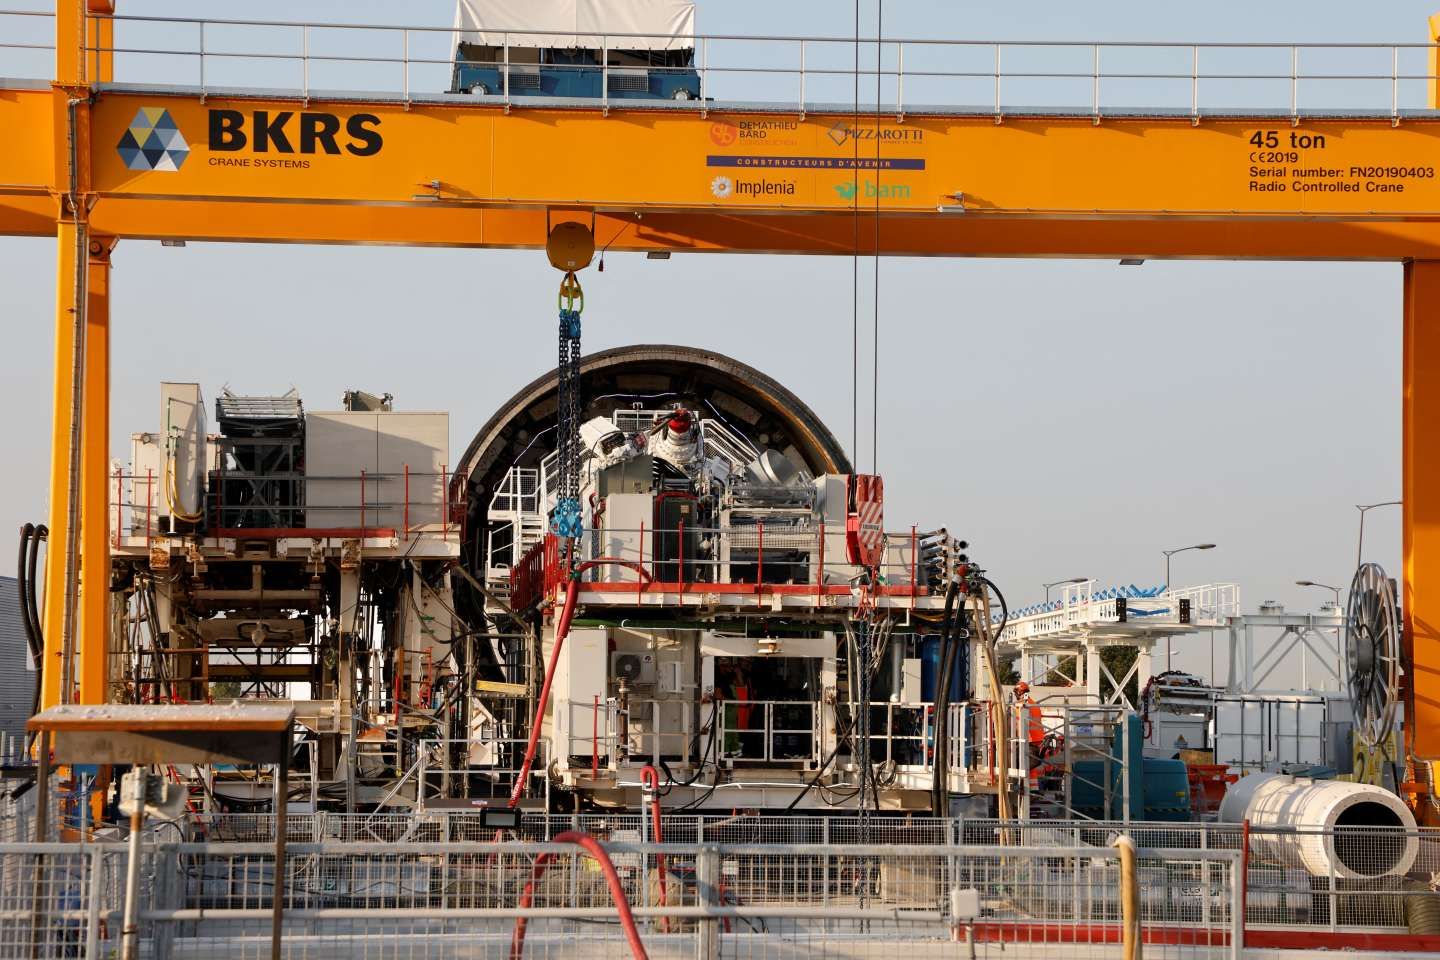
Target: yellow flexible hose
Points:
(172, 493)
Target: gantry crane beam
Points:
(452, 172)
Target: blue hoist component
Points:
(567, 520)
(1159, 788)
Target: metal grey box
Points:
(183, 454)
(347, 451)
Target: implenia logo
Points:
(153, 142)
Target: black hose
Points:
(27, 566)
(26, 532)
(824, 766)
(24, 578)
(939, 777)
(1004, 608)
(710, 751)
(42, 533)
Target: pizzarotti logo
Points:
(841, 131)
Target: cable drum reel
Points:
(1372, 653)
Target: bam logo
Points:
(849, 189)
(287, 132)
(153, 142)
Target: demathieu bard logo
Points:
(153, 142)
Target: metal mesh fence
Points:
(1280, 890)
(442, 884)
(388, 900)
(1293, 879)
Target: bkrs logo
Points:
(153, 141)
(291, 133)
(849, 190)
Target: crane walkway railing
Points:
(1081, 611)
(795, 73)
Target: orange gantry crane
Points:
(91, 161)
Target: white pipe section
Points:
(1294, 821)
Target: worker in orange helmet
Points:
(1035, 721)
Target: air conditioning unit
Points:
(633, 667)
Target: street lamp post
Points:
(1339, 653)
(1322, 586)
(1059, 583)
(1169, 644)
(1360, 543)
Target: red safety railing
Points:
(668, 561)
(536, 574)
(366, 505)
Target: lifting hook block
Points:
(570, 246)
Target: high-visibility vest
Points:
(742, 709)
(1036, 727)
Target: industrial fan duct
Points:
(1308, 812)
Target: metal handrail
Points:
(794, 38)
(430, 512)
(804, 67)
(698, 555)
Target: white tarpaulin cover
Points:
(667, 24)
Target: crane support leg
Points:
(92, 645)
(1421, 496)
(1433, 83)
(76, 619)
(61, 560)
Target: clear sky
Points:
(1070, 417)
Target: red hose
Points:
(649, 776)
(562, 630)
(612, 879)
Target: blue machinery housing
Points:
(567, 72)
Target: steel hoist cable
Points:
(567, 520)
(863, 638)
(875, 345)
(855, 257)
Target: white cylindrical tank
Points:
(1305, 813)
